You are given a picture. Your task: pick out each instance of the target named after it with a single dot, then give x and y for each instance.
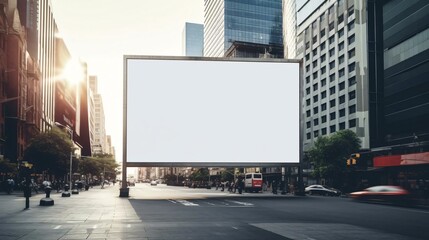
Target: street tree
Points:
(7, 167)
(99, 165)
(329, 154)
(201, 174)
(50, 152)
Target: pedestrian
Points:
(240, 185)
(10, 185)
(264, 186)
(274, 186)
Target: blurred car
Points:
(388, 194)
(153, 183)
(322, 190)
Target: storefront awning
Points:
(401, 160)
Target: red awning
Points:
(400, 160)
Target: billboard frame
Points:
(126, 164)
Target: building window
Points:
(307, 57)
(332, 90)
(322, 46)
(341, 46)
(322, 33)
(315, 86)
(315, 75)
(315, 98)
(351, 11)
(307, 68)
(342, 126)
(323, 118)
(351, 39)
(341, 33)
(316, 122)
(352, 53)
(332, 116)
(323, 82)
(341, 86)
(314, 39)
(352, 95)
(307, 45)
(322, 17)
(352, 81)
(340, 18)
(332, 77)
(332, 129)
(332, 103)
(308, 135)
(352, 109)
(331, 26)
(308, 124)
(342, 112)
(314, 52)
(331, 10)
(307, 79)
(332, 52)
(332, 65)
(316, 133)
(323, 131)
(308, 113)
(340, 59)
(323, 70)
(322, 58)
(323, 94)
(352, 67)
(307, 102)
(342, 99)
(352, 123)
(341, 72)
(307, 90)
(315, 110)
(351, 25)
(314, 63)
(323, 107)
(331, 39)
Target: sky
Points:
(101, 32)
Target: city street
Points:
(164, 212)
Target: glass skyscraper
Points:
(193, 39)
(251, 21)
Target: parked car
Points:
(322, 190)
(153, 183)
(384, 193)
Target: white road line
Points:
(187, 203)
(209, 203)
(172, 201)
(236, 228)
(57, 227)
(240, 203)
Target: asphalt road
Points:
(210, 214)
(164, 212)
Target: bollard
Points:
(47, 201)
(66, 192)
(75, 190)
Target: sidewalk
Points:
(97, 213)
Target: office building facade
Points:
(250, 22)
(332, 41)
(193, 40)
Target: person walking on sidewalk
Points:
(274, 185)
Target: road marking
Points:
(172, 201)
(57, 227)
(209, 203)
(240, 203)
(236, 228)
(187, 203)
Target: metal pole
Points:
(71, 165)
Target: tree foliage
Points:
(7, 167)
(329, 154)
(50, 151)
(99, 165)
(201, 174)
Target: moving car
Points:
(387, 194)
(322, 190)
(153, 183)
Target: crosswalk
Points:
(211, 203)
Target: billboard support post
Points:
(124, 191)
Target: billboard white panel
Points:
(201, 110)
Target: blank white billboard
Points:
(181, 111)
